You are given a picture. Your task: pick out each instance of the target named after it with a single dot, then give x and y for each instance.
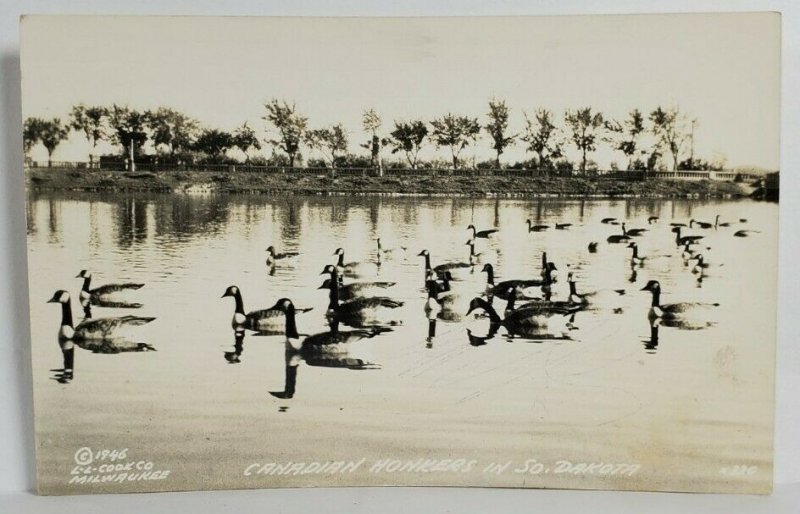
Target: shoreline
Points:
(478, 186)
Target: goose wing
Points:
(486, 233)
(103, 328)
(372, 303)
(114, 288)
(545, 307)
(501, 290)
(685, 307)
(286, 255)
(447, 266)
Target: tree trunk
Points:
(49, 159)
(291, 160)
(133, 162)
(583, 161)
(497, 160)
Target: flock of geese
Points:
(453, 291)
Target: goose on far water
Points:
(636, 259)
(674, 312)
(460, 270)
(619, 238)
(273, 256)
(701, 224)
(264, 320)
(354, 268)
(609, 221)
(483, 234)
(362, 312)
(110, 295)
(635, 232)
(652, 219)
(501, 289)
(594, 297)
(355, 289)
(92, 329)
(536, 228)
(718, 223)
(682, 240)
(744, 233)
(563, 226)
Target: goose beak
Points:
(421, 254)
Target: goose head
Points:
(423, 253)
(60, 296)
(632, 245)
(653, 286)
(487, 268)
(84, 274)
(329, 269)
(271, 249)
(284, 305)
(339, 251)
(231, 291)
(471, 227)
(476, 304)
(570, 277)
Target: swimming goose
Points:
(636, 259)
(687, 252)
(528, 319)
(362, 312)
(677, 224)
(265, 320)
(619, 238)
(483, 234)
(701, 265)
(108, 295)
(354, 268)
(273, 256)
(389, 253)
(634, 232)
(652, 219)
(536, 228)
(701, 224)
(482, 257)
(563, 226)
(460, 270)
(593, 247)
(744, 233)
(94, 329)
(609, 221)
(432, 305)
(717, 223)
(674, 312)
(501, 289)
(682, 240)
(601, 296)
(355, 289)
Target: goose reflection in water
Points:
(65, 374)
(234, 357)
(651, 344)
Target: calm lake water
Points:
(687, 406)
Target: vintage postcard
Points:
(483, 252)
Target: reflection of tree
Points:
(131, 217)
(54, 221)
(30, 216)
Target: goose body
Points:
(536, 228)
(687, 314)
(744, 233)
(652, 219)
(718, 223)
(633, 232)
(531, 320)
(101, 329)
(389, 253)
(609, 221)
(483, 234)
(108, 295)
(593, 247)
(362, 312)
(459, 270)
(524, 288)
(273, 257)
(593, 298)
(636, 259)
(701, 224)
(682, 240)
(479, 258)
(263, 320)
(563, 226)
(353, 268)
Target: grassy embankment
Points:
(301, 184)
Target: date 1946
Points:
(738, 470)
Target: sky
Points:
(722, 70)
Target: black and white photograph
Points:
(514, 251)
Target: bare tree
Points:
(541, 136)
(671, 129)
(455, 132)
(291, 127)
(497, 127)
(584, 126)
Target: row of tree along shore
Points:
(660, 140)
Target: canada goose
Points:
(679, 313)
(273, 256)
(536, 228)
(389, 253)
(619, 238)
(701, 224)
(633, 232)
(636, 259)
(108, 295)
(361, 312)
(358, 289)
(501, 289)
(459, 270)
(483, 234)
(101, 329)
(264, 320)
(592, 298)
(652, 219)
(528, 319)
(677, 224)
(717, 223)
(563, 226)
(353, 268)
(593, 247)
(609, 221)
(682, 240)
(479, 258)
(744, 233)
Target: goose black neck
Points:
(239, 303)
(493, 316)
(544, 260)
(572, 289)
(490, 275)
(432, 328)
(427, 262)
(512, 299)
(291, 324)
(635, 252)
(333, 304)
(340, 262)
(86, 281)
(66, 313)
(656, 298)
